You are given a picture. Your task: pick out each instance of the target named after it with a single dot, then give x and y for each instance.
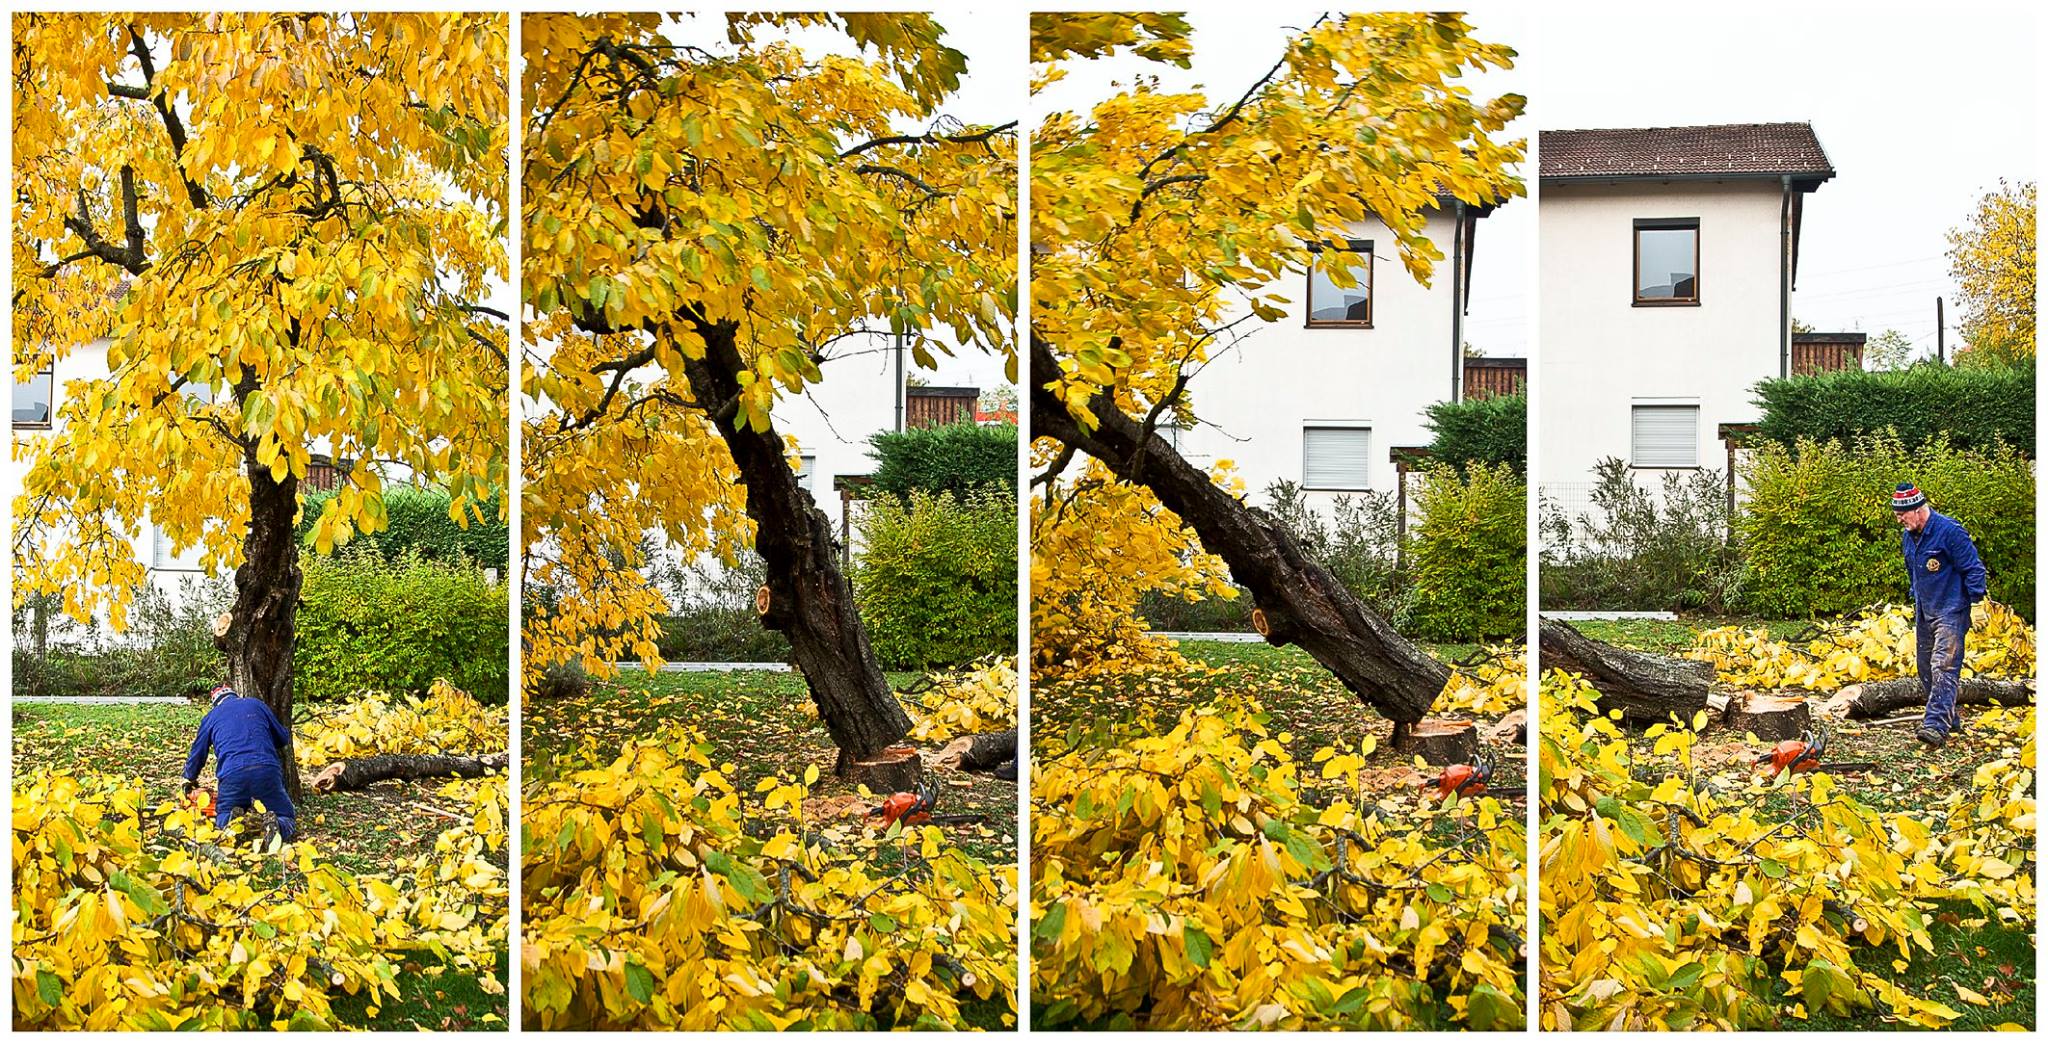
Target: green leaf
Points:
(1198, 945)
(49, 987)
(639, 983)
(1772, 869)
(1054, 922)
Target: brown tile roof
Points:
(1735, 149)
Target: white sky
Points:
(1920, 111)
(1233, 49)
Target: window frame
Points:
(1334, 425)
(1697, 417)
(49, 370)
(1352, 246)
(1635, 290)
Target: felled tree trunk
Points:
(1645, 687)
(1877, 699)
(981, 752)
(807, 597)
(1299, 602)
(261, 628)
(377, 768)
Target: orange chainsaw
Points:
(1804, 754)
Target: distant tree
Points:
(1992, 260)
(1801, 326)
(1887, 351)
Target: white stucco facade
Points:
(1605, 355)
(1257, 400)
(834, 419)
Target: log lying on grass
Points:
(1645, 687)
(982, 752)
(361, 772)
(1880, 698)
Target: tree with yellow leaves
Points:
(706, 226)
(285, 225)
(1162, 226)
(1992, 261)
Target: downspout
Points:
(1785, 279)
(1458, 302)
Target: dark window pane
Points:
(1665, 259)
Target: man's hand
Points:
(1979, 614)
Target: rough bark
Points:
(1645, 687)
(1880, 698)
(1771, 717)
(890, 771)
(809, 599)
(362, 772)
(1437, 741)
(262, 625)
(982, 752)
(1301, 603)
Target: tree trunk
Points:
(1438, 741)
(1877, 699)
(1299, 601)
(1771, 717)
(807, 597)
(261, 628)
(980, 752)
(361, 772)
(1645, 687)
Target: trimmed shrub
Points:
(1355, 542)
(712, 617)
(1468, 555)
(952, 458)
(1818, 536)
(418, 521)
(1641, 549)
(937, 579)
(167, 651)
(1491, 431)
(1977, 406)
(395, 625)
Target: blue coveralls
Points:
(1947, 578)
(245, 738)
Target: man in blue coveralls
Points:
(1947, 580)
(248, 743)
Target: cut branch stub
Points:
(1771, 717)
(762, 600)
(1438, 741)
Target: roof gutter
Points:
(1458, 249)
(1785, 280)
(1808, 179)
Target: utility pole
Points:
(1940, 333)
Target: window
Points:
(163, 556)
(35, 399)
(1332, 305)
(1665, 436)
(1668, 261)
(1336, 457)
(804, 466)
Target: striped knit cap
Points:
(1907, 496)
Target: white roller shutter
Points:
(1666, 437)
(1336, 458)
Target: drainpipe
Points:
(901, 391)
(1785, 279)
(1457, 302)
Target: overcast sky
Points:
(1920, 111)
(1233, 49)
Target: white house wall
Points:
(1255, 400)
(1602, 354)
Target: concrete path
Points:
(98, 700)
(691, 668)
(1604, 614)
(1244, 637)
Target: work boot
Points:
(1933, 739)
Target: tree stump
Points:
(1438, 741)
(1771, 717)
(895, 769)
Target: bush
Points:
(937, 579)
(1818, 536)
(1469, 555)
(418, 521)
(1977, 407)
(1168, 612)
(713, 618)
(952, 458)
(167, 651)
(368, 623)
(1491, 431)
(1646, 550)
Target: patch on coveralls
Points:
(1934, 565)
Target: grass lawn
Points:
(1975, 951)
(364, 831)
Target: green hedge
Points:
(936, 580)
(952, 458)
(1468, 555)
(1818, 536)
(419, 521)
(1977, 407)
(366, 622)
(1492, 431)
